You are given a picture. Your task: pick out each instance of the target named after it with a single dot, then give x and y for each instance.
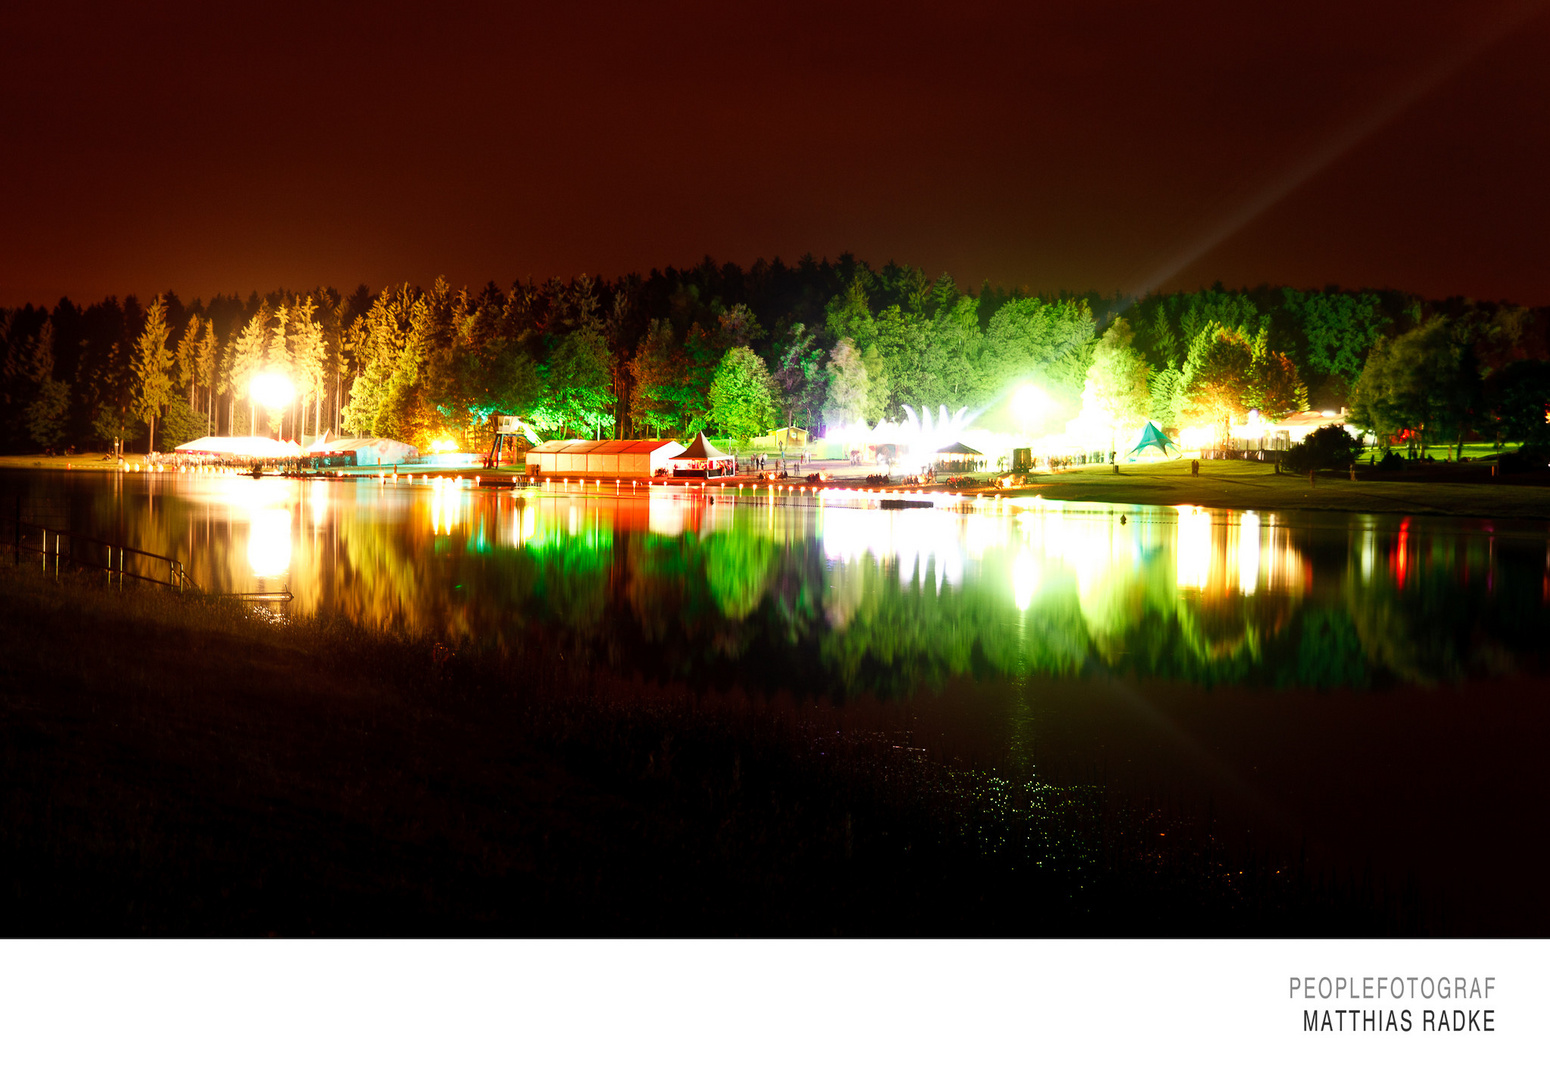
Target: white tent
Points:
(364, 451)
(242, 446)
(702, 458)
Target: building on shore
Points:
(625, 458)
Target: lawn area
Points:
(1250, 485)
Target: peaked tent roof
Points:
(700, 450)
(1153, 437)
(959, 448)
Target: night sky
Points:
(1118, 146)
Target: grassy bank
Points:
(1246, 485)
(190, 766)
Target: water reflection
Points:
(269, 542)
(786, 589)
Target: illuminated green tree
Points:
(150, 364)
(1164, 410)
(1424, 381)
(905, 340)
(1339, 329)
(389, 343)
(247, 360)
(205, 370)
(847, 399)
(1029, 338)
(181, 424)
(654, 366)
(1274, 387)
(578, 399)
(278, 359)
(800, 376)
(310, 363)
(742, 395)
(186, 356)
(850, 316)
(1116, 394)
(1215, 378)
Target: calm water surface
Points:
(1364, 687)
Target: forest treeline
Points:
(735, 352)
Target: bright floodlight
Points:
(1030, 403)
(271, 389)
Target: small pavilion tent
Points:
(239, 446)
(702, 458)
(1153, 439)
(609, 457)
(957, 457)
(362, 452)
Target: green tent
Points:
(1153, 438)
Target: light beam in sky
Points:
(1344, 139)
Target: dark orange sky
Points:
(1120, 146)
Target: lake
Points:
(1360, 692)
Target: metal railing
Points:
(118, 561)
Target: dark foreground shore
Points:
(183, 766)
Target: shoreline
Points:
(1224, 485)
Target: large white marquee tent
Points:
(240, 446)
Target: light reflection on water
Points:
(269, 542)
(1021, 612)
(678, 580)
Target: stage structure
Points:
(513, 436)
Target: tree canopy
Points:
(840, 342)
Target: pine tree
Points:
(278, 359)
(204, 369)
(247, 360)
(310, 356)
(152, 359)
(186, 356)
(45, 415)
